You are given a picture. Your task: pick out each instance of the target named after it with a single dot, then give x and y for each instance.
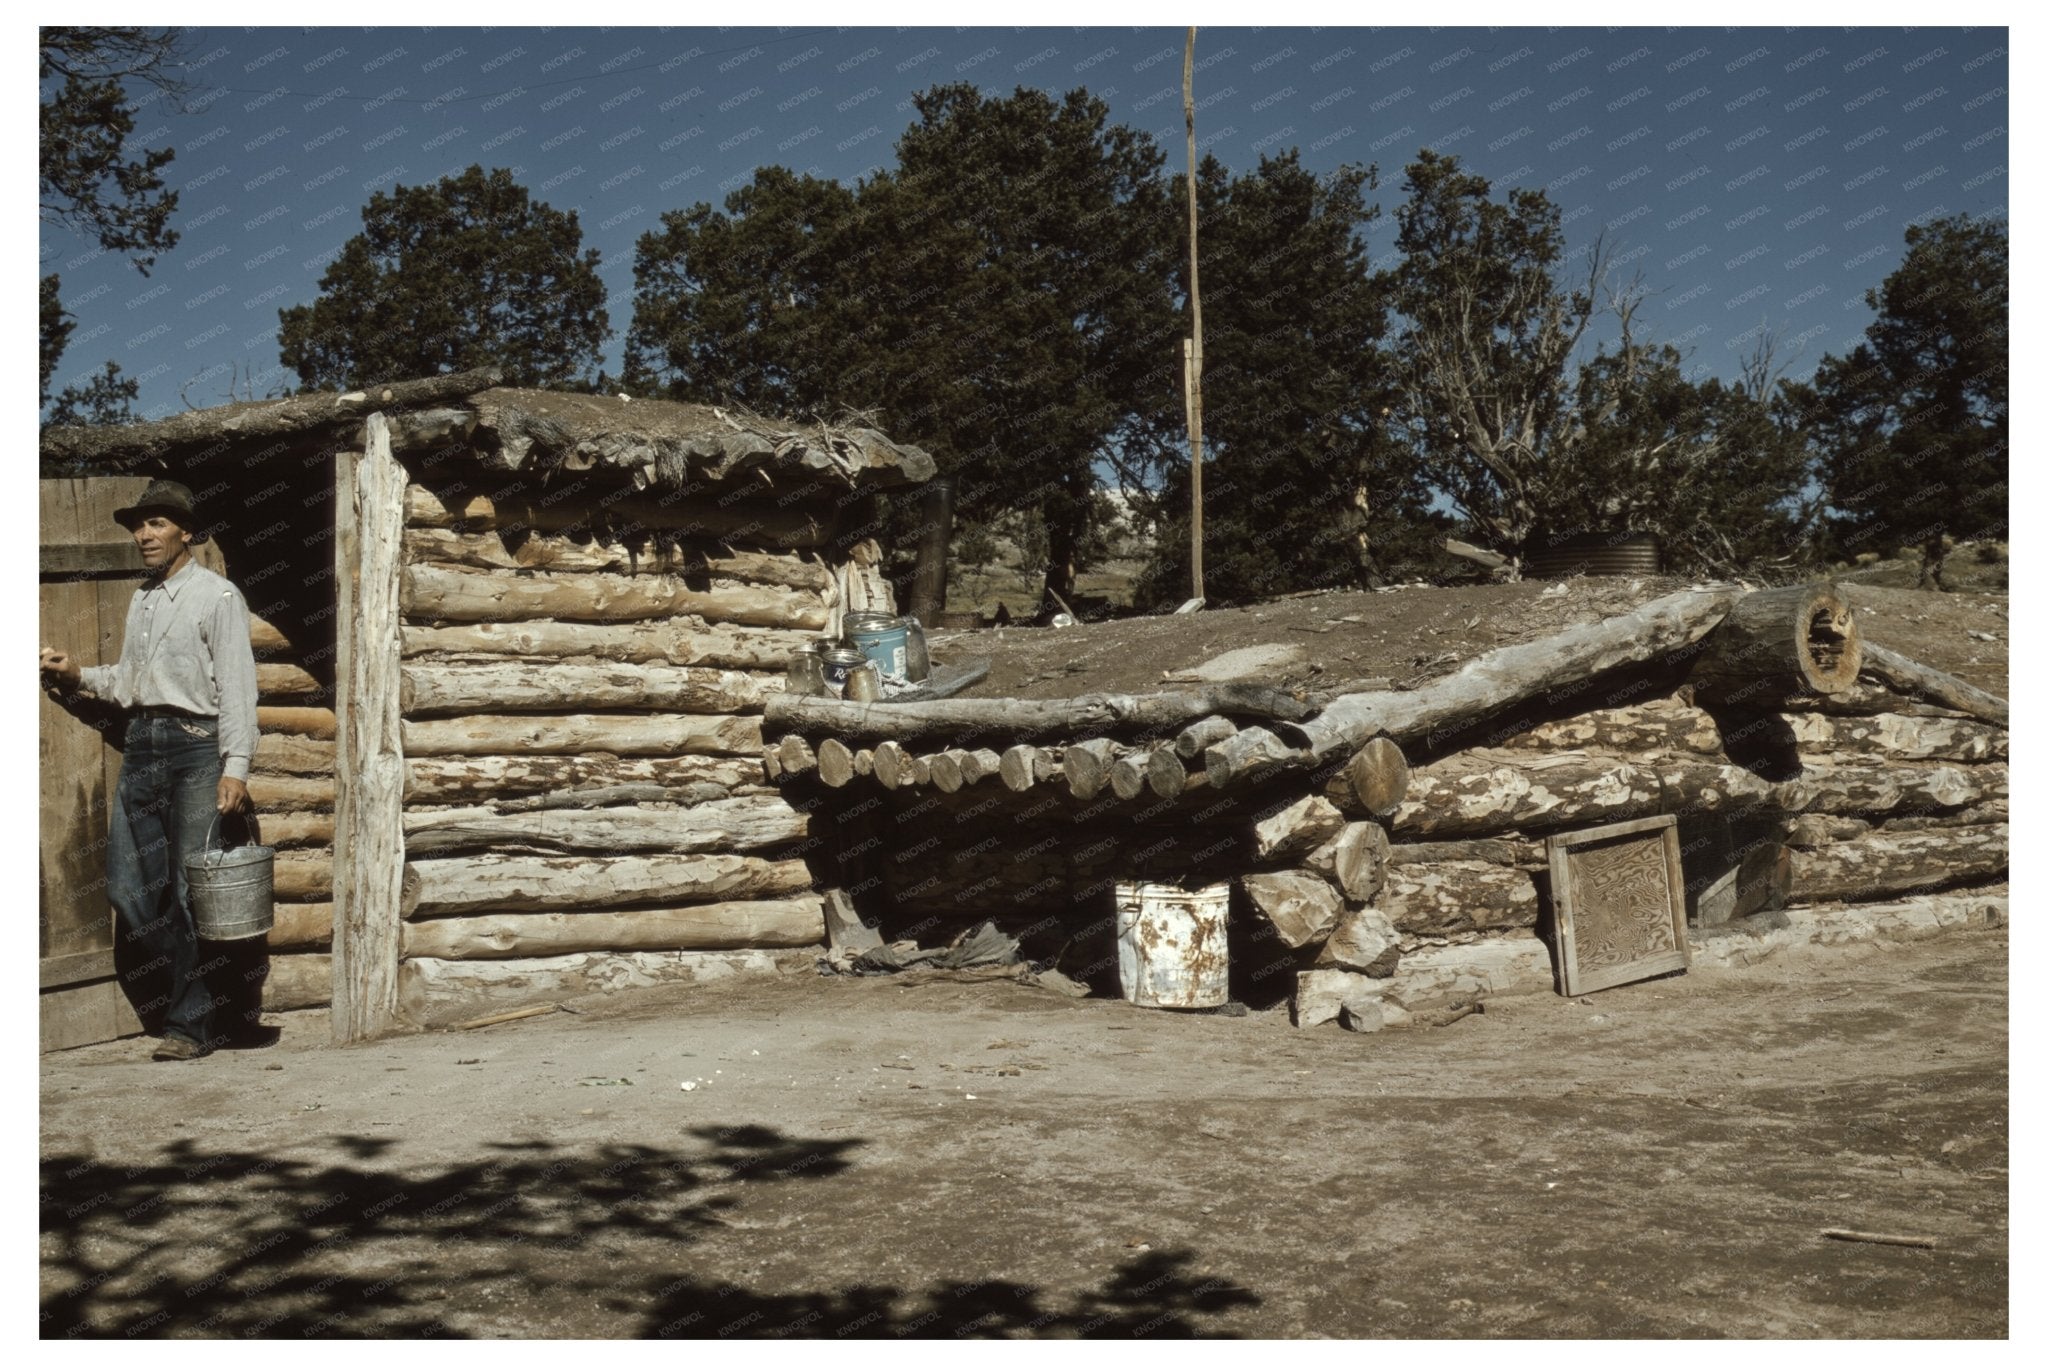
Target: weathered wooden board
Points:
(301, 925)
(299, 981)
(316, 723)
(303, 876)
(1619, 896)
(1438, 899)
(555, 685)
(644, 555)
(787, 923)
(369, 775)
(444, 991)
(273, 792)
(676, 640)
(1879, 866)
(581, 734)
(81, 1013)
(734, 824)
(293, 756)
(486, 882)
(432, 593)
(486, 777)
(746, 522)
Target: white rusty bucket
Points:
(230, 889)
(1173, 946)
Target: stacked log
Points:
(291, 786)
(1880, 805)
(581, 699)
(1740, 724)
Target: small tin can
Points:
(839, 660)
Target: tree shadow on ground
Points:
(535, 1241)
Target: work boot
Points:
(177, 1048)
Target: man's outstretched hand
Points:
(59, 669)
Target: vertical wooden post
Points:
(369, 762)
(1193, 351)
(928, 588)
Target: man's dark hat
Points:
(163, 495)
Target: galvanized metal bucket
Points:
(1173, 946)
(230, 889)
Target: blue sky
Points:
(1756, 177)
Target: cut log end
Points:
(1019, 768)
(1127, 775)
(892, 765)
(945, 771)
(1378, 775)
(1165, 773)
(1087, 766)
(1780, 643)
(797, 756)
(1244, 754)
(835, 763)
(1831, 650)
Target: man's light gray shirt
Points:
(188, 647)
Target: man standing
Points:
(187, 679)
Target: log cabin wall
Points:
(581, 695)
(590, 600)
(594, 605)
(1432, 881)
(291, 782)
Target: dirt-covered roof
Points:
(657, 443)
(1337, 642)
(646, 442)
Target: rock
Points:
(1322, 994)
(1364, 941)
(1301, 907)
(1366, 1017)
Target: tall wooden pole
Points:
(369, 761)
(1192, 349)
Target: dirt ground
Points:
(869, 1158)
(1402, 637)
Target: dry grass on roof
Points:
(590, 414)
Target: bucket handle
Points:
(212, 848)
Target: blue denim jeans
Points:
(163, 807)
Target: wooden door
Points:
(89, 571)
